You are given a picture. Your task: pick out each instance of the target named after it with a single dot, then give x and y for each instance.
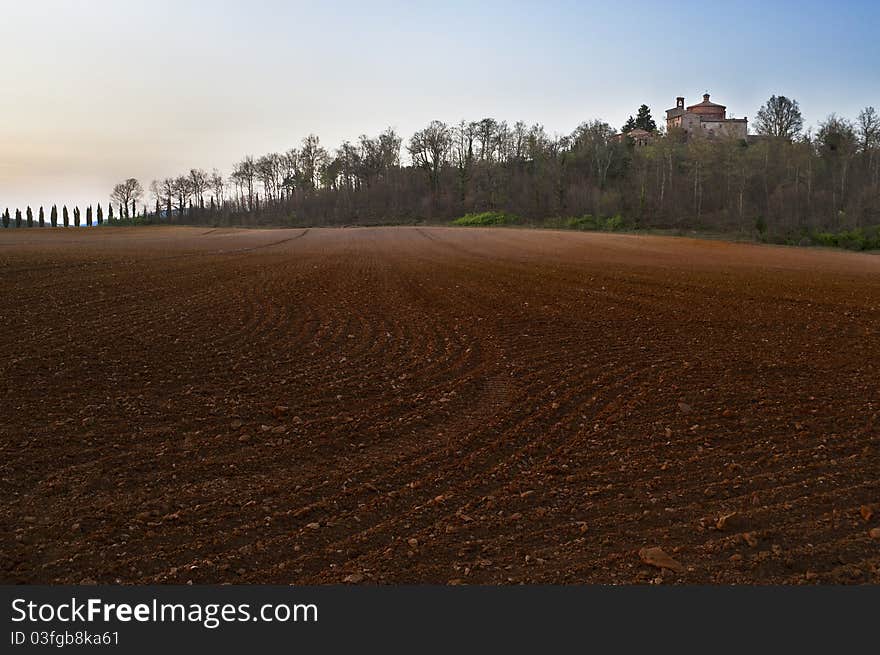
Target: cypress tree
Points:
(76, 216)
(110, 213)
(6, 218)
(100, 215)
(89, 216)
(42, 217)
(30, 217)
(133, 209)
(53, 216)
(66, 217)
(122, 211)
(17, 218)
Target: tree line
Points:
(785, 180)
(94, 216)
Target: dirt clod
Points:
(656, 556)
(725, 520)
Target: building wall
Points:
(690, 123)
(726, 128)
(709, 113)
(695, 125)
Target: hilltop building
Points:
(706, 119)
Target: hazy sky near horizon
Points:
(94, 91)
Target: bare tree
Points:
(780, 117)
(183, 191)
(348, 166)
(269, 170)
(519, 141)
(244, 176)
(127, 192)
(869, 134)
(218, 185)
(837, 142)
(869, 128)
(463, 136)
(290, 171)
(199, 183)
(486, 136)
(429, 149)
(312, 158)
(596, 139)
(163, 191)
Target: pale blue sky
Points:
(95, 91)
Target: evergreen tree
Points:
(42, 217)
(30, 217)
(6, 218)
(53, 216)
(100, 215)
(66, 216)
(122, 211)
(644, 121)
(629, 126)
(110, 213)
(76, 216)
(17, 218)
(133, 209)
(89, 216)
(158, 210)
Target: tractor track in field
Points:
(388, 405)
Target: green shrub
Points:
(587, 222)
(761, 225)
(858, 239)
(483, 219)
(825, 239)
(872, 237)
(614, 223)
(852, 240)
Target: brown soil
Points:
(435, 405)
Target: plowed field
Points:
(433, 405)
